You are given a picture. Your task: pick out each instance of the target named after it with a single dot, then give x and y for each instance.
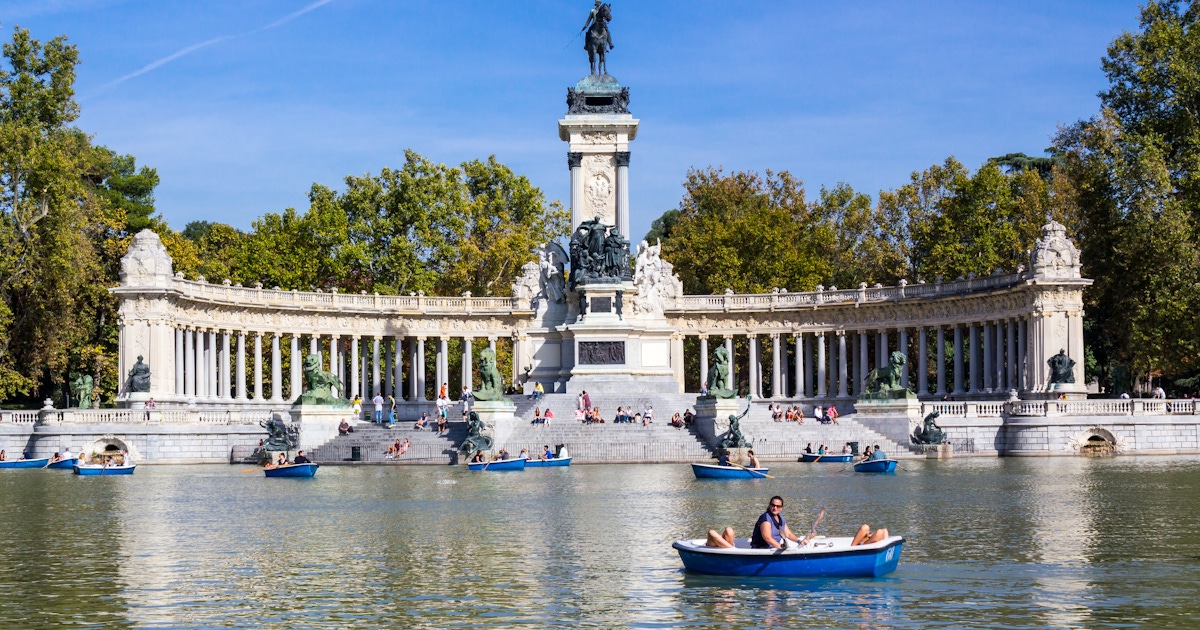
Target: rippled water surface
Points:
(1049, 542)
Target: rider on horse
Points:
(599, 38)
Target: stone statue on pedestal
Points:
(491, 385)
(733, 437)
(1062, 369)
(280, 436)
(718, 375)
(929, 432)
(883, 383)
(599, 40)
(82, 386)
(475, 440)
(319, 384)
(598, 254)
(139, 377)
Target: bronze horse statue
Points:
(599, 40)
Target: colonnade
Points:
(985, 357)
(211, 364)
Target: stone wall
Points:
(149, 444)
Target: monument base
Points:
(895, 419)
(937, 451)
(135, 400)
(712, 417)
(1057, 391)
(499, 419)
(318, 423)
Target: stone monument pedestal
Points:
(1072, 391)
(318, 424)
(712, 417)
(937, 451)
(498, 417)
(895, 419)
(134, 400)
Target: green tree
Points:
(746, 232)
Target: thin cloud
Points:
(194, 47)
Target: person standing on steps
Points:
(378, 400)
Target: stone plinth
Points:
(712, 417)
(895, 419)
(318, 423)
(1057, 391)
(937, 451)
(498, 417)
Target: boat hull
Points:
(826, 459)
(876, 466)
(547, 463)
(292, 470)
(63, 464)
(499, 466)
(713, 471)
(26, 463)
(96, 470)
(834, 558)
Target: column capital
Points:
(575, 159)
(622, 158)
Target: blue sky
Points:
(270, 97)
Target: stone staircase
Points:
(607, 442)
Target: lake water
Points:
(1049, 542)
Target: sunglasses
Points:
(776, 505)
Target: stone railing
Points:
(141, 416)
(19, 417)
(863, 295)
(204, 291)
(1027, 408)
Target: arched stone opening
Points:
(1098, 442)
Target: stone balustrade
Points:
(1050, 408)
(136, 417)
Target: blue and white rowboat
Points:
(822, 557)
(826, 458)
(25, 463)
(292, 470)
(63, 464)
(876, 466)
(713, 471)
(93, 470)
(546, 463)
(500, 465)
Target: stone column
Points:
(903, 349)
(842, 366)
(296, 384)
(388, 368)
(752, 375)
(314, 347)
(443, 361)
(1010, 365)
(880, 349)
(776, 374)
(820, 339)
(988, 357)
(356, 366)
(180, 358)
(258, 384)
(200, 365)
(226, 382)
(831, 369)
(732, 378)
(922, 362)
(375, 386)
(575, 163)
(1001, 385)
(335, 362)
(467, 360)
(241, 365)
(492, 343)
(414, 369)
(976, 359)
(422, 391)
(810, 366)
(703, 360)
(864, 361)
(623, 193)
(276, 369)
(189, 360)
(798, 344)
(1022, 356)
(958, 360)
(213, 387)
(941, 361)
(398, 369)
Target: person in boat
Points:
(478, 457)
(846, 449)
(301, 459)
(524, 454)
(502, 455)
(876, 454)
(753, 459)
(808, 449)
(723, 459)
(126, 459)
(547, 453)
(821, 450)
(55, 458)
(67, 453)
(3, 455)
(866, 537)
(562, 452)
(866, 454)
(771, 531)
(282, 460)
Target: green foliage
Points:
(660, 228)
(747, 233)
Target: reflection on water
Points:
(992, 542)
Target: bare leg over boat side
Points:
(724, 539)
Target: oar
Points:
(813, 530)
(751, 470)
